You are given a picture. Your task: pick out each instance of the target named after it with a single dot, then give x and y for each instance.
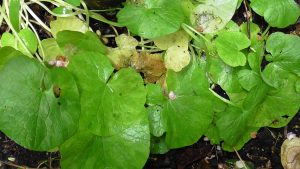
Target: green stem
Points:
(221, 98)
(15, 32)
(265, 32)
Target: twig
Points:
(14, 165)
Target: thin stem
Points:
(198, 33)
(220, 97)
(248, 18)
(15, 32)
(87, 15)
(37, 18)
(265, 32)
(240, 158)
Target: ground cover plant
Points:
(155, 90)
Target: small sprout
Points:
(12, 159)
(172, 95)
(239, 164)
(290, 153)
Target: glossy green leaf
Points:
(156, 121)
(158, 145)
(152, 19)
(255, 58)
(61, 10)
(188, 107)
(127, 149)
(7, 39)
(29, 39)
(284, 51)
(234, 121)
(281, 103)
(223, 75)
(212, 16)
(253, 29)
(39, 107)
(278, 13)
(72, 42)
(14, 14)
(154, 94)
(229, 45)
(7, 53)
(113, 114)
(51, 49)
(248, 79)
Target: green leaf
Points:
(113, 116)
(237, 132)
(253, 29)
(39, 107)
(127, 149)
(255, 58)
(284, 49)
(51, 49)
(229, 45)
(73, 2)
(156, 121)
(14, 14)
(188, 111)
(61, 10)
(72, 42)
(29, 39)
(281, 103)
(275, 110)
(7, 53)
(212, 16)
(278, 13)
(152, 19)
(154, 94)
(158, 145)
(223, 75)
(7, 39)
(248, 79)
(68, 23)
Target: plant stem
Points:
(248, 19)
(221, 98)
(15, 32)
(265, 32)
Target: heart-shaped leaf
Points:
(113, 116)
(278, 13)
(229, 45)
(284, 51)
(152, 19)
(39, 108)
(189, 107)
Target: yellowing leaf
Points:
(178, 38)
(176, 58)
(126, 42)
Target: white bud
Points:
(172, 95)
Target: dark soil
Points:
(263, 152)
